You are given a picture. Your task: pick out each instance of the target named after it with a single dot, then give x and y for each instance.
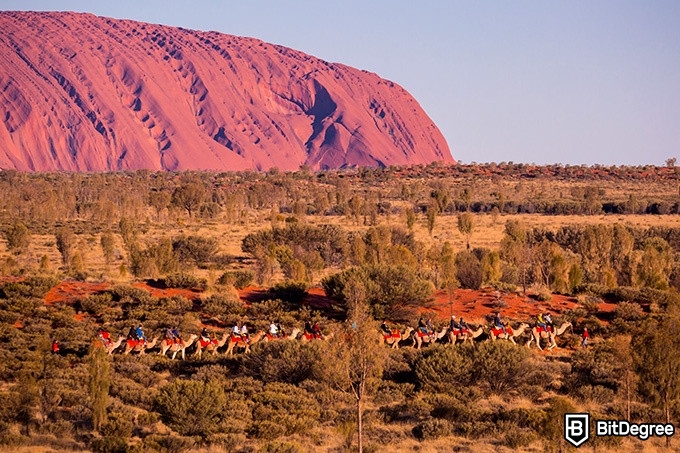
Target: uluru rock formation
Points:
(85, 93)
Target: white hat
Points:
(453, 316)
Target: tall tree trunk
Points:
(359, 426)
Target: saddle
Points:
(540, 329)
(498, 331)
(206, 341)
(236, 339)
(462, 331)
(131, 342)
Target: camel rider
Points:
(422, 326)
(463, 325)
(316, 330)
(453, 324)
(169, 336)
(385, 328)
(205, 335)
(140, 333)
(176, 335)
(549, 322)
(273, 330)
(282, 332)
(132, 333)
(540, 322)
(236, 331)
(104, 335)
(430, 327)
(498, 323)
(308, 328)
(244, 332)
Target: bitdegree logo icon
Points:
(576, 428)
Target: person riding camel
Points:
(385, 328)
(132, 334)
(316, 330)
(169, 336)
(244, 333)
(430, 327)
(422, 326)
(498, 323)
(176, 335)
(274, 330)
(540, 322)
(205, 335)
(308, 327)
(140, 333)
(453, 324)
(55, 347)
(549, 322)
(236, 331)
(463, 325)
(104, 335)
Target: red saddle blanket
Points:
(235, 339)
(312, 336)
(393, 334)
(424, 334)
(496, 331)
(460, 331)
(132, 342)
(540, 329)
(171, 341)
(205, 342)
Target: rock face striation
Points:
(85, 93)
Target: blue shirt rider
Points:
(498, 323)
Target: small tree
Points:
(357, 355)
(189, 197)
(466, 225)
(431, 217)
(98, 384)
(657, 354)
(65, 242)
(108, 243)
(18, 237)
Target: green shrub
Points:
(221, 305)
(109, 445)
(286, 361)
(278, 446)
(185, 280)
(289, 291)
(433, 428)
(239, 279)
(192, 408)
(168, 444)
(96, 304)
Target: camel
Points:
(309, 337)
(211, 346)
(465, 335)
(110, 347)
(497, 333)
(138, 346)
(292, 336)
(393, 341)
(419, 340)
(245, 345)
(536, 335)
(176, 347)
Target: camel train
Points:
(394, 338)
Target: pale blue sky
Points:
(577, 81)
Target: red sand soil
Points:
(474, 305)
(70, 291)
